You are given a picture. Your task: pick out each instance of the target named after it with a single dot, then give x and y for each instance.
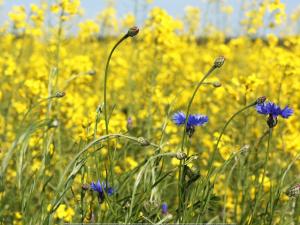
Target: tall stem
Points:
(110, 155)
(105, 79)
(263, 177)
(191, 102)
(181, 190)
(211, 161)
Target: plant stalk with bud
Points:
(133, 31)
(181, 192)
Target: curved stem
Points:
(221, 135)
(34, 106)
(212, 159)
(105, 79)
(105, 101)
(191, 102)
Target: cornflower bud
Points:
(85, 187)
(91, 72)
(99, 108)
(133, 31)
(261, 100)
(180, 155)
(219, 62)
(143, 141)
(60, 94)
(129, 123)
(293, 191)
(217, 84)
(53, 123)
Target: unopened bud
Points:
(164, 208)
(143, 141)
(133, 31)
(60, 94)
(261, 100)
(219, 62)
(85, 187)
(99, 108)
(129, 123)
(53, 123)
(293, 191)
(180, 155)
(217, 84)
(91, 72)
(169, 216)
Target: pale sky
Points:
(174, 7)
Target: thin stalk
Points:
(263, 178)
(105, 79)
(105, 101)
(64, 181)
(191, 102)
(221, 135)
(212, 159)
(182, 162)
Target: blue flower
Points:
(273, 110)
(101, 188)
(193, 120)
(286, 112)
(164, 208)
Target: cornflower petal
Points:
(286, 112)
(179, 118)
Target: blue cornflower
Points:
(164, 208)
(101, 188)
(273, 110)
(193, 120)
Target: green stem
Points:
(212, 159)
(221, 135)
(263, 178)
(191, 102)
(105, 79)
(105, 101)
(181, 203)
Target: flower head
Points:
(164, 208)
(273, 110)
(100, 188)
(193, 120)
